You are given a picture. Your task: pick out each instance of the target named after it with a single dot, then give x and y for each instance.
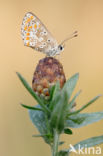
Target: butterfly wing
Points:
(36, 35)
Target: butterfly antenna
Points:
(74, 34)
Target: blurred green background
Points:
(83, 54)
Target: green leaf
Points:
(68, 131)
(39, 120)
(89, 142)
(61, 142)
(63, 153)
(83, 119)
(37, 98)
(70, 84)
(54, 93)
(56, 90)
(86, 105)
(73, 100)
(68, 87)
(30, 107)
(59, 113)
(54, 102)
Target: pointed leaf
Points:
(30, 107)
(68, 131)
(86, 105)
(90, 142)
(73, 100)
(56, 89)
(55, 92)
(54, 102)
(52, 92)
(83, 119)
(59, 112)
(70, 84)
(61, 142)
(39, 120)
(63, 153)
(37, 98)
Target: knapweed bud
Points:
(48, 71)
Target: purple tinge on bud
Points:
(48, 71)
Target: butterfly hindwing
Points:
(36, 35)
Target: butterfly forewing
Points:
(36, 35)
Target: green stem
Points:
(55, 143)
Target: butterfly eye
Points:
(60, 47)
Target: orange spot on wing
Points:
(27, 38)
(31, 17)
(28, 20)
(25, 28)
(30, 27)
(28, 34)
(35, 26)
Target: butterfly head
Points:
(56, 50)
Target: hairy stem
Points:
(55, 143)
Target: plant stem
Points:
(55, 143)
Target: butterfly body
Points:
(35, 35)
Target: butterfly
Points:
(36, 35)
